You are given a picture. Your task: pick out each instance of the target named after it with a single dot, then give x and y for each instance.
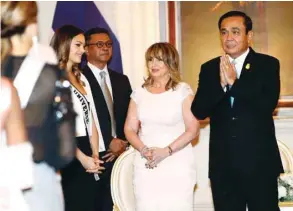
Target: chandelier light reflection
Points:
(259, 4)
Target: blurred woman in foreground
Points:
(45, 99)
(15, 151)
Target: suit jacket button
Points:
(234, 118)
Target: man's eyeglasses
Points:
(101, 44)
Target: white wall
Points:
(46, 10)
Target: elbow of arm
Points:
(193, 130)
(127, 133)
(200, 112)
(130, 134)
(201, 115)
(195, 133)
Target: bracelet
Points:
(170, 150)
(143, 150)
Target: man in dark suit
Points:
(239, 92)
(111, 94)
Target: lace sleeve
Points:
(133, 96)
(186, 90)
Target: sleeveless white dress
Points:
(169, 186)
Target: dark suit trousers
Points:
(104, 200)
(233, 192)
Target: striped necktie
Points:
(109, 101)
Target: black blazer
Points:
(242, 138)
(121, 90)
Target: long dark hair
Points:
(61, 42)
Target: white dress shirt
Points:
(239, 61)
(96, 71)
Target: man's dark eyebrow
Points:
(235, 28)
(103, 40)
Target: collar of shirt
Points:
(96, 71)
(239, 62)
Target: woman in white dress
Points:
(160, 126)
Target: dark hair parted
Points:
(15, 17)
(169, 55)
(247, 19)
(96, 30)
(61, 42)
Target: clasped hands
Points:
(154, 155)
(94, 163)
(227, 72)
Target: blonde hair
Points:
(169, 55)
(15, 16)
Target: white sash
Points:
(102, 147)
(31, 69)
(83, 108)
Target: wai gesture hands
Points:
(227, 72)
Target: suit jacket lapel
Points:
(93, 82)
(247, 63)
(113, 85)
(115, 91)
(246, 68)
(100, 104)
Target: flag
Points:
(86, 15)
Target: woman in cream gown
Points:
(160, 126)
